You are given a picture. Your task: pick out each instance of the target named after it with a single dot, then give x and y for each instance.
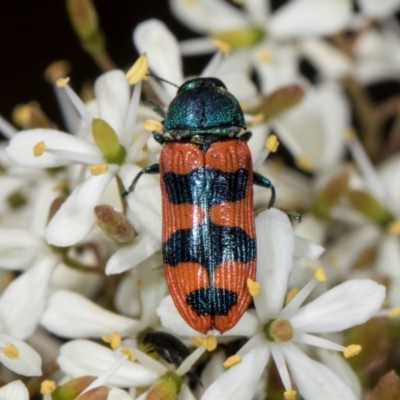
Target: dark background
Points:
(35, 33)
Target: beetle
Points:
(208, 233)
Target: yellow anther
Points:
(39, 148)
(257, 119)
(130, 353)
(305, 163)
(98, 169)
(223, 47)
(265, 56)
(60, 186)
(57, 70)
(352, 350)
(394, 228)
(254, 287)
(231, 361)
(272, 143)
(21, 114)
(209, 342)
(319, 275)
(115, 340)
(291, 294)
(350, 133)
(61, 82)
(138, 70)
(394, 312)
(290, 394)
(47, 387)
(151, 125)
(11, 351)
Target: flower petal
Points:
(118, 394)
(161, 46)
(14, 390)
(388, 258)
(240, 381)
(275, 246)
(306, 250)
(377, 9)
(28, 362)
(71, 315)
(75, 217)
(112, 94)
(310, 17)
(82, 357)
(132, 254)
(314, 380)
(208, 16)
(22, 303)
(21, 146)
(172, 320)
(247, 326)
(349, 304)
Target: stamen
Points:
(98, 169)
(209, 342)
(254, 287)
(305, 163)
(212, 67)
(57, 70)
(6, 128)
(298, 300)
(291, 294)
(151, 125)
(316, 341)
(47, 387)
(130, 353)
(231, 361)
(367, 169)
(280, 363)
(138, 70)
(288, 139)
(290, 394)
(11, 351)
(39, 149)
(320, 275)
(130, 120)
(352, 350)
(272, 143)
(61, 82)
(114, 340)
(190, 360)
(224, 47)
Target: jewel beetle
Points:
(208, 229)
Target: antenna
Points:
(163, 80)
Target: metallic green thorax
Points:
(204, 106)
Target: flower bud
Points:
(30, 116)
(166, 388)
(114, 224)
(280, 100)
(72, 389)
(16, 200)
(388, 387)
(330, 195)
(245, 37)
(370, 207)
(83, 17)
(107, 141)
(99, 393)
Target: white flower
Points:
(46, 148)
(14, 390)
(281, 328)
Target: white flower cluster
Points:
(78, 261)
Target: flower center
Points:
(278, 330)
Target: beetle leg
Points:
(150, 169)
(264, 182)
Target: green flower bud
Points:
(16, 200)
(241, 37)
(114, 224)
(72, 389)
(280, 101)
(107, 141)
(166, 388)
(330, 195)
(370, 207)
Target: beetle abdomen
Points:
(209, 244)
